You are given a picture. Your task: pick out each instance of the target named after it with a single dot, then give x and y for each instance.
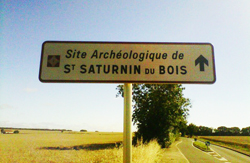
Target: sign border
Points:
(122, 81)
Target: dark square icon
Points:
(53, 61)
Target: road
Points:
(230, 155)
(218, 155)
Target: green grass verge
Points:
(229, 145)
(201, 146)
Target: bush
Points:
(16, 132)
(2, 131)
(147, 153)
(202, 146)
(83, 130)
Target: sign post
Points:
(127, 62)
(127, 132)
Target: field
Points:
(238, 143)
(54, 146)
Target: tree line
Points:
(192, 130)
(160, 112)
(38, 129)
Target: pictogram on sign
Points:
(53, 61)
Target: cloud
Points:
(30, 90)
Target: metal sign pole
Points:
(127, 133)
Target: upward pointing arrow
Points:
(201, 60)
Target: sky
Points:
(25, 25)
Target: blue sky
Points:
(25, 25)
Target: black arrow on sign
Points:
(201, 60)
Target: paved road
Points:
(231, 156)
(193, 154)
(219, 155)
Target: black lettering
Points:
(125, 55)
(124, 69)
(130, 54)
(78, 54)
(150, 71)
(151, 56)
(95, 54)
(170, 70)
(68, 55)
(137, 69)
(98, 68)
(118, 55)
(106, 69)
(147, 54)
(181, 56)
(141, 56)
(91, 69)
(73, 66)
(83, 55)
(164, 56)
(158, 56)
(67, 67)
(162, 69)
(184, 71)
(135, 55)
(115, 69)
(83, 68)
(106, 55)
(100, 56)
(175, 55)
(74, 54)
(112, 54)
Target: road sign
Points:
(127, 62)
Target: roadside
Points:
(173, 155)
(236, 148)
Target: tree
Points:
(160, 110)
(192, 129)
(16, 132)
(2, 131)
(234, 131)
(222, 131)
(245, 131)
(183, 128)
(204, 131)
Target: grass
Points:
(54, 146)
(201, 146)
(238, 143)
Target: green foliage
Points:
(2, 131)
(192, 129)
(245, 131)
(234, 131)
(224, 131)
(16, 132)
(205, 130)
(160, 111)
(202, 146)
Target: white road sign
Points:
(127, 62)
